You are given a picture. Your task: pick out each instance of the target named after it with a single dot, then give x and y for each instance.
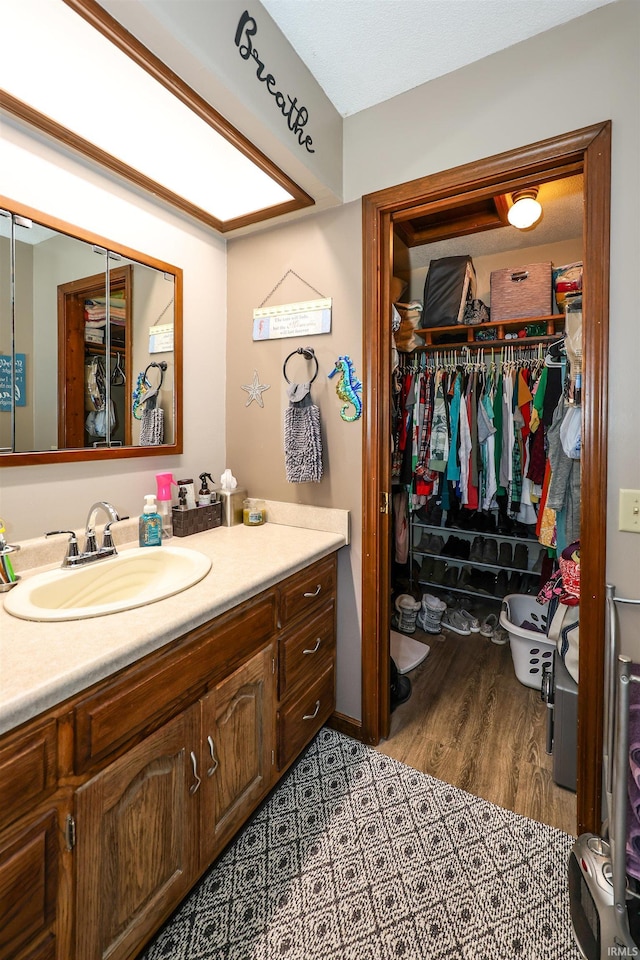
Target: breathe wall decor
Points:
(296, 115)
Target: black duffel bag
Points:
(450, 283)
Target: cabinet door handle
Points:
(216, 763)
(194, 786)
(318, 589)
(312, 716)
(315, 649)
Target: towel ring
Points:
(308, 354)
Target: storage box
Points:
(532, 652)
(197, 520)
(521, 292)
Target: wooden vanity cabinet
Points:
(32, 814)
(150, 822)
(306, 657)
(115, 803)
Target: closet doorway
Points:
(585, 152)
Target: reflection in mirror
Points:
(89, 347)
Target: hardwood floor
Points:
(471, 723)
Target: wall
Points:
(320, 250)
(576, 75)
(34, 172)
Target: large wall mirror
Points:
(90, 345)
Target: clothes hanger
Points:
(118, 375)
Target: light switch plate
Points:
(629, 512)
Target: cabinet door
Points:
(136, 829)
(29, 865)
(238, 742)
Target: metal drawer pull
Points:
(194, 763)
(216, 763)
(312, 716)
(318, 589)
(315, 649)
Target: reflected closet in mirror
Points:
(90, 345)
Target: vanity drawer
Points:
(301, 718)
(303, 652)
(308, 590)
(28, 770)
(125, 710)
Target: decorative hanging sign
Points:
(19, 392)
(303, 319)
(161, 338)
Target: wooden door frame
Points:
(586, 151)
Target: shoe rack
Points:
(486, 565)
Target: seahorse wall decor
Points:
(348, 388)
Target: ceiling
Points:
(363, 52)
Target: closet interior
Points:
(486, 392)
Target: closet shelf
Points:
(431, 334)
(462, 590)
(460, 562)
(477, 533)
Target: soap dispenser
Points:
(150, 525)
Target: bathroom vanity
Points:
(115, 798)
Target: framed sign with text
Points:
(303, 319)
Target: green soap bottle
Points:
(150, 525)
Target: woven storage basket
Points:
(531, 651)
(197, 520)
(521, 292)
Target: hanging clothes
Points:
(477, 436)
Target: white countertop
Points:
(42, 664)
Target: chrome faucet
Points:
(90, 545)
(91, 550)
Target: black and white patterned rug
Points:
(358, 857)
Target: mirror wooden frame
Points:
(79, 454)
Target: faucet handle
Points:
(72, 550)
(107, 539)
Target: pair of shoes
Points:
(452, 620)
(505, 556)
(472, 621)
(431, 543)
(456, 548)
(488, 625)
(500, 636)
(502, 584)
(515, 583)
(537, 567)
(426, 569)
(490, 551)
(521, 556)
(430, 615)
(475, 553)
(450, 578)
(438, 572)
(407, 608)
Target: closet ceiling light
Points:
(525, 210)
(96, 88)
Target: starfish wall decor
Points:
(255, 389)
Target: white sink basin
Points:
(133, 578)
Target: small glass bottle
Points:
(254, 512)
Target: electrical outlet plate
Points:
(629, 511)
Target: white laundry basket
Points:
(531, 651)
